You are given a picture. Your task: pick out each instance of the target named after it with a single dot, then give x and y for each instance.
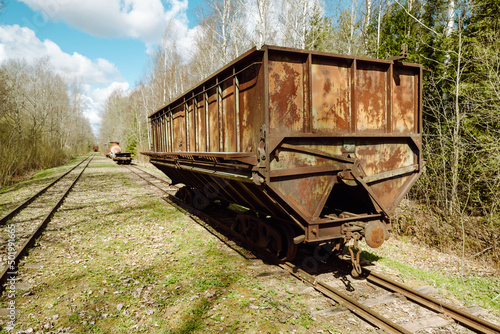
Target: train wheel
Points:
(270, 239)
(250, 228)
(258, 233)
(185, 195)
(200, 201)
(290, 248)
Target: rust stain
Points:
(403, 102)
(380, 156)
(228, 117)
(179, 131)
(286, 96)
(371, 99)
(201, 138)
(213, 120)
(305, 192)
(251, 108)
(330, 94)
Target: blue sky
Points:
(104, 44)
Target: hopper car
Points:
(320, 147)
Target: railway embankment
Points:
(117, 258)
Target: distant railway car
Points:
(320, 147)
(115, 153)
(96, 148)
(114, 148)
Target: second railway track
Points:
(21, 227)
(468, 321)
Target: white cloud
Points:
(146, 20)
(101, 94)
(94, 100)
(142, 19)
(20, 42)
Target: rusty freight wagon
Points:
(320, 147)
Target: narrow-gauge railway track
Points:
(464, 318)
(468, 320)
(29, 219)
(28, 201)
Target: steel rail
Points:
(475, 323)
(466, 319)
(354, 306)
(11, 268)
(154, 176)
(14, 212)
(362, 311)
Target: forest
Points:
(41, 120)
(456, 205)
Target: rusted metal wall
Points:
(299, 134)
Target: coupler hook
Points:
(356, 267)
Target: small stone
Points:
(119, 307)
(307, 290)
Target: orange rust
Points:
(286, 96)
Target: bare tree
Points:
(37, 120)
(295, 18)
(261, 15)
(224, 15)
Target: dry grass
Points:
(444, 233)
(118, 259)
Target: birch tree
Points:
(224, 15)
(295, 18)
(261, 15)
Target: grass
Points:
(11, 196)
(122, 260)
